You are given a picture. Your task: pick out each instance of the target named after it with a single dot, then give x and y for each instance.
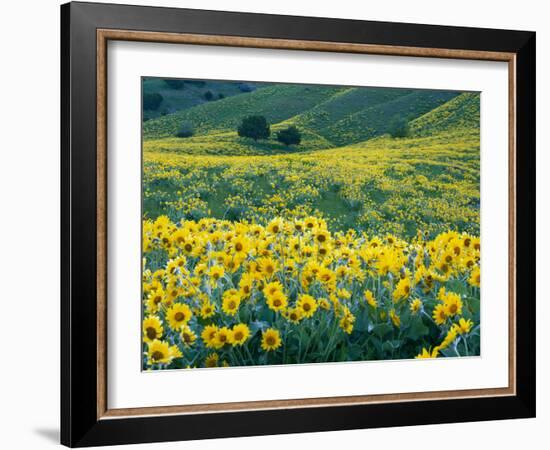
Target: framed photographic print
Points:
(277, 224)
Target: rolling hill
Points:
(277, 103)
(327, 117)
(189, 93)
(462, 112)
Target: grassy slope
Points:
(429, 180)
(375, 120)
(343, 104)
(383, 184)
(277, 103)
(188, 96)
(328, 117)
(461, 112)
(229, 143)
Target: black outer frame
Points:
(79, 423)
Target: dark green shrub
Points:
(151, 102)
(208, 95)
(399, 128)
(244, 87)
(186, 130)
(255, 127)
(290, 136)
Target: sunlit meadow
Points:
(356, 238)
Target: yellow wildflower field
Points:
(254, 254)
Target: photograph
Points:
(305, 223)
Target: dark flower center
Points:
(151, 333)
(157, 356)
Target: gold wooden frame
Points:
(103, 36)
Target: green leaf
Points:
(382, 330)
(417, 329)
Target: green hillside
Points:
(375, 120)
(343, 104)
(277, 103)
(229, 143)
(461, 112)
(327, 117)
(190, 93)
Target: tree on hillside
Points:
(289, 136)
(399, 128)
(244, 87)
(255, 127)
(174, 84)
(208, 95)
(152, 101)
(186, 129)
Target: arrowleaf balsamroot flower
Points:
(271, 340)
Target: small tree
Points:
(174, 84)
(245, 87)
(255, 127)
(152, 102)
(289, 136)
(399, 128)
(186, 130)
(208, 95)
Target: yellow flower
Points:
(160, 352)
(211, 360)
(223, 336)
(275, 226)
(178, 315)
(369, 297)
(268, 267)
(347, 320)
(343, 293)
(216, 272)
(240, 333)
(245, 284)
(272, 288)
(324, 304)
(415, 305)
(326, 276)
(277, 301)
(152, 329)
(207, 310)
(208, 336)
(154, 301)
(449, 338)
(240, 246)
(475, 277)
(427, 354)
(271, 339)
(402, 289)
(310, 222)
(307, 304)
(463, 326)
(187, 336)
(294, 315)
(322, 236)
(439, 314)
(452, 304)
(230, 304)
(396, 320)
